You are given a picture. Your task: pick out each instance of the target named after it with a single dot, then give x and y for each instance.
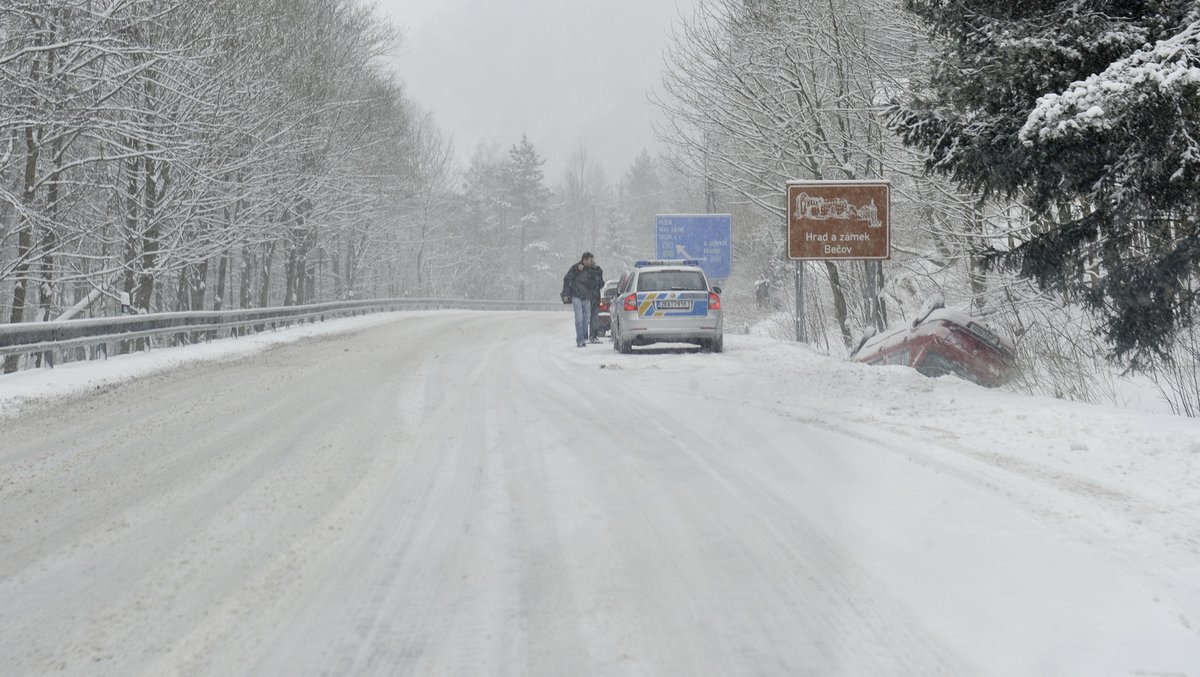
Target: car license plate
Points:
(674, 305)
(986, 334)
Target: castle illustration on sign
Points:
(813, 208)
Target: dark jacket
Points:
(584, 284)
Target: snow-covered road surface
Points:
(469, 494)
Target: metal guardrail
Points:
(35, 337)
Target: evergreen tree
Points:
(1089, 113)
(616, 249)
(583, 196)
(487, 222)
(529, 198)
(645, 197)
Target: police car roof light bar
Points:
(666, 262)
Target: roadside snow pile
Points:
(1131, 452)
(78, 377)
(1102, 451)
(778, 325)
(1121, 477)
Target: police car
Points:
(667, 302)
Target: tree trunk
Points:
(310, 281)
(222, 270)
(24, 240)
(876, 315)
(839, 302)
(879, 279)
(351, 265)
(199, 284)
(975, 272)
(131, 222)
(306, 281)
(264, 289)
(335, 267)
(183, 301)
(248, 265)
(289, 277)
(49, 245)
(150, 238)
(245, 282)
(182, 297)
(21, 275)
(521, 287)
(421, 264)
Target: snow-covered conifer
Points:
(1089, 112)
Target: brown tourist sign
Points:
(839, 220)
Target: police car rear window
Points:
(672, 280)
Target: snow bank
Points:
(1129, 451)
(78, 377)
(1109, 475)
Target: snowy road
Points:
(469, 494)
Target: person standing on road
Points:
(579, 285)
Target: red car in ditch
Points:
(941, 341)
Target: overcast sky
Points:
(566, 72)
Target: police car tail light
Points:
(714, 301)
(631, 303)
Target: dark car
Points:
(941, 341)
(605, 307)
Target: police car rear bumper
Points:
(642, 330)
(673, 334)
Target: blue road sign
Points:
(706, 238)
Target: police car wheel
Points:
(717, 345)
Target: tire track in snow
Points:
(821, 609)
(201, 517)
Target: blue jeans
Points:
(583, 314)
(594, 320)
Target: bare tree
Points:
(162, 148)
